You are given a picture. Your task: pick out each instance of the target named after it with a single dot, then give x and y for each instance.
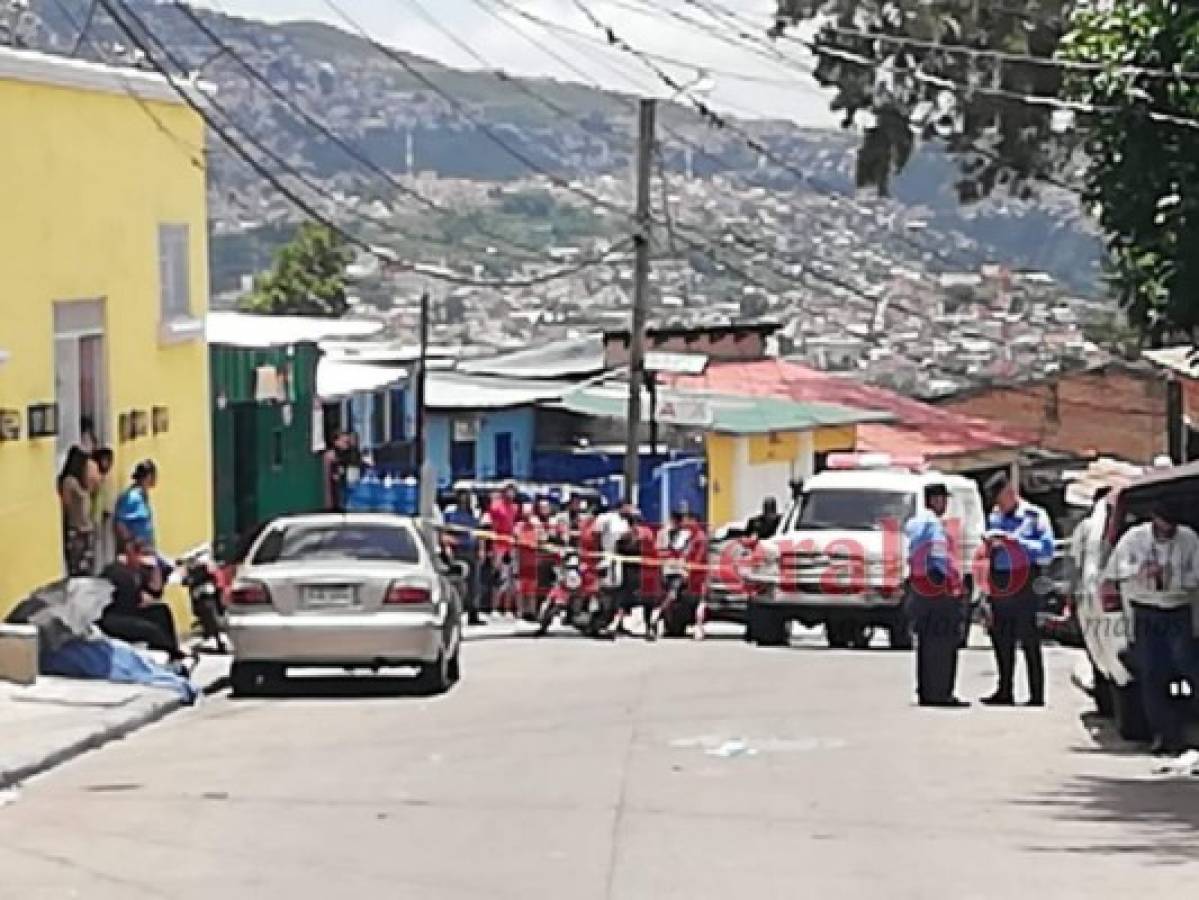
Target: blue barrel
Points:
(407, 497)
(372, 492)
(357, 496)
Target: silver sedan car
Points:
(352, 591)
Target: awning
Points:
(719, 412)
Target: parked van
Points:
(840, 560)
(1103, 613)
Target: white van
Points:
(840, 558)
(1104, 615)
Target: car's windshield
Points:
(338, 540)
(852, 508)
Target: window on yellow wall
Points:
(174, 271)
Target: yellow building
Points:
(754, 446)
(103, 292)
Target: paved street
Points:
(563, 768)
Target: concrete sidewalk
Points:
(48, 723)
(59, 718)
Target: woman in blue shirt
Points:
(134, 516)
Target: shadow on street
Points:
(1161, 816)
(336, 687)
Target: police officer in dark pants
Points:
(1019, 549)
(934, 600)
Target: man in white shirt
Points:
(612, 526)
(1156, 565)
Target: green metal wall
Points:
(263, 466)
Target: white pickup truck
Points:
(840, 558)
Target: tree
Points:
(307, 279)
(906, 69)
(1142, 176)
(977, 77)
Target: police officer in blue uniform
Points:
(1019, 549)
(934, 597)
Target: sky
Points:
(741, 79)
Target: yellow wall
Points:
(777, 446)
(86, 178)
(832, 439)
(722, 450)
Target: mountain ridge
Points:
(389, 115)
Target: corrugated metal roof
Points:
(336, 378)
(566, 358)
(919, 428)
(729, 413)
(1179, 359)
(236, 329)
(458, 390)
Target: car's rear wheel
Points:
(1129, 713)
(456, 664)
(436, 678)
(247, 678)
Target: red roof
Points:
(919, 428)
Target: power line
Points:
(589, 38)
(529, 251)
(83, 29)
(702, 245)
(1008, 56)
(721, 122)
(1028, 99)
(195, 155)
(383, 254)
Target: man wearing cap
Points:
(1019, 549)
(1156, 565)
(934, 600)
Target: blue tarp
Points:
(109, 660)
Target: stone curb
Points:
(150, 709)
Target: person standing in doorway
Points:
(103, 504)
(1156, 565)
(335, 473)
(79, 535)
(934, 598)
(1019, 549)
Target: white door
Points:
(67, 393)
(80, 373)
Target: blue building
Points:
(481, 427)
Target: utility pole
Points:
(1176, 443)
(421, 366)
(641, 219)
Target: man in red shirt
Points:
(696, 557)
(502, 514)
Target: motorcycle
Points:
(577, 601)
(201, 579)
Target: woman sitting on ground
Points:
(136, 614)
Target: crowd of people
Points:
(513, 548)
(111, 535)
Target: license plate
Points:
(329, 597)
